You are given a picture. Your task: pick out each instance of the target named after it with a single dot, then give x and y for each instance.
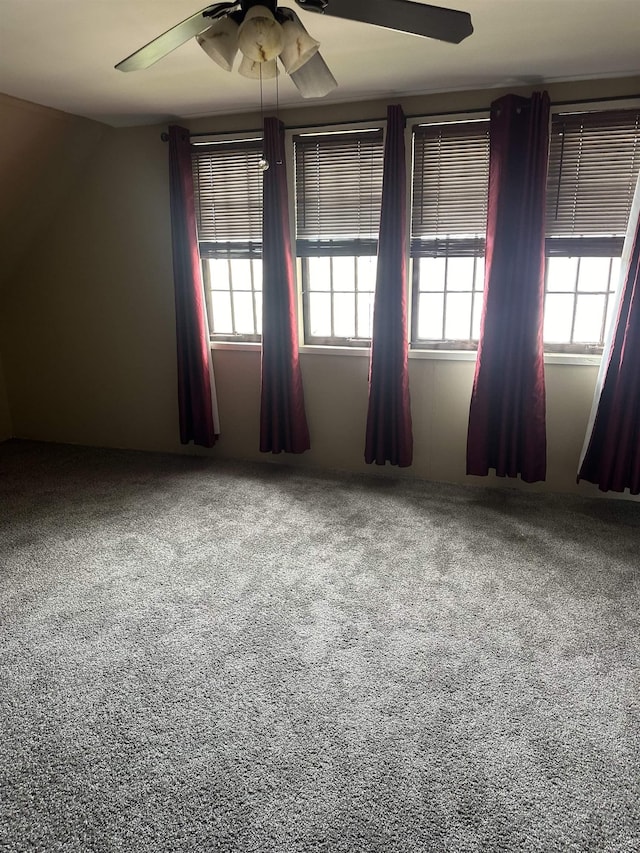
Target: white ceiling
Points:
(61, 53)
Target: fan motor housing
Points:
(269, 4)
(313, 5)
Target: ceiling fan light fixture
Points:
(255, 70)
(298, 48)
(260, 36)
(220, 42)
(314, 80)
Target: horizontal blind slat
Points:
(228, 194)
(450, 186)
(583, 247)
(441, 247)
(338, 186)
(335, 248)
(594, 159)
(230, 250)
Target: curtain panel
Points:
(198, 414)
(507, 429)
(389, 436)
(283, 421)
(611, 454)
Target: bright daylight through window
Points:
(594, 161)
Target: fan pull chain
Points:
(278, 162)
(263, 163)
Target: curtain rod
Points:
(165, 136)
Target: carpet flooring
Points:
(198, 655)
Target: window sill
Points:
(319, 349)
(239, 346)
(586, 359)
(574, 358)
(441, 355)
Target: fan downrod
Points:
(269, 4)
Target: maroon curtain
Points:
(612, 458)
(507, 414)
(389, 435)
(194, 354)
(283, 422)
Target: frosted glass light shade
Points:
(220, 42)
(298, 48)
(252, 69)
(260, 36)
(314, 80)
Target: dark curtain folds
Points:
(507, 429)
(283, 422)
(196, 395)
(389, 436)
(612, 457)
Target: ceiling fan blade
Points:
(314, 80)
(173, 38)
(433, 22)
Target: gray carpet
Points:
(207, 656)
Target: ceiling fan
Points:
(262, 32)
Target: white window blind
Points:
(594, 160)
(338, 193)
(228, 196)
(450, 186)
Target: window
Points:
(228, 193)
(593, 168)
(594, 161)
(448, 226)
(338, 179)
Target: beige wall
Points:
(96, 308)
(336, 402)
(87, 326)
(42, 153)
(42, 156)
(6, 429)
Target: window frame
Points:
(426, 344)
(573, 347)
(607, 247)
(332, 340)
(569, 349)
(417, 344)
(245, 249)
(364, 246)
(443, 349)
(208, 293)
